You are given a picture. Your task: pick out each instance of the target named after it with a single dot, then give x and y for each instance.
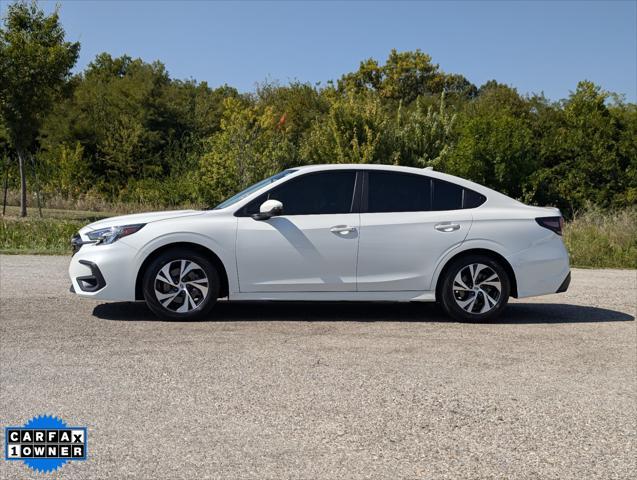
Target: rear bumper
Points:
(543, 269)
(565, 284)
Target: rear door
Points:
(312, 246)
(408, 222)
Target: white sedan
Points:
(330, 233)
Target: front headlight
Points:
(106, 236)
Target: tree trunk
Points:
(6, 187)
(37, 186)
(23, 184)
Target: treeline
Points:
(124, 131)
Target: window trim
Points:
(354, 204)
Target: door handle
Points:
(447, 227)
(342, 229)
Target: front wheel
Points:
(475, 288)
(181, 285)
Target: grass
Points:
(13, 212)
(595, 239)
(38, 236)
(49, 235)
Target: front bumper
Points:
(93, 282)
(104, 272)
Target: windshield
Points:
(252, 188)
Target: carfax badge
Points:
(45, 443)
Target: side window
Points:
(447, 196)
(397, 192)
(311, 194)
(472, 199)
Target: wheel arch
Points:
(480, 251)
(205, 251)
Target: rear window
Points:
(449, 196)
(472, 199)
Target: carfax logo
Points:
(45, 443)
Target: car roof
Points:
(428, 171)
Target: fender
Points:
(226, 257)
(467, 245)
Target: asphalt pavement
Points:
(325, 391)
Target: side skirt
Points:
(408, 296)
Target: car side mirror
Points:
(269, 209)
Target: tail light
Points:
(554, 224)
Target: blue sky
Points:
(536, 46)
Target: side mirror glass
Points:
(269, 209)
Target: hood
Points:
(140, 218)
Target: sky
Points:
(535, 46)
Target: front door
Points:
(311, 246)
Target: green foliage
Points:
(133, 122)
(587, 153)
(495, 148)
(405, 76)
(354, 130)
(46, 235)
(35, 61)
(601, 239)
(424, 135)
(252, 144)
(124, 131)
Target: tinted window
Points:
(311, 194)
(472, 199)
(398, 192)
(447, 196)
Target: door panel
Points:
(409, 222)
(400, 251)
(298, 253)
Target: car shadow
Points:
(224, 311)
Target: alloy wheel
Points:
(477, 288)
(181, 285)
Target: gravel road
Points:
(325, 391)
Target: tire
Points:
(174, 285)
(474, 288)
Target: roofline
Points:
(493, 197)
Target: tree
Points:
(495, 145)
(406, 76)
(251, 145)
(424, 136)
(355, 130)
(35, 63)
(587, 153)
(133, 122)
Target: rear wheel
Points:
(181, 285)
(475, 288)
